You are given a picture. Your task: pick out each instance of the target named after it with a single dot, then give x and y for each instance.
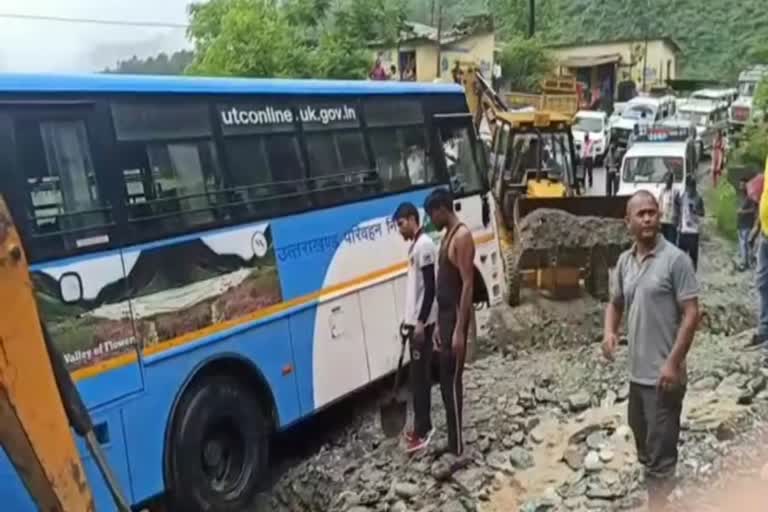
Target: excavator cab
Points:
(532, 156)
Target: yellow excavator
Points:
(532, 165)
(39, 403)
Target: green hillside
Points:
(718, 38)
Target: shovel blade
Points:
(393, 414)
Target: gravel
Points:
(545, 420)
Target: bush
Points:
(724, 202)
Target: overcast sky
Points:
(32, 45)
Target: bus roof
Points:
(113, 83)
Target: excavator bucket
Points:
(613, 207)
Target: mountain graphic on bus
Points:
(170, 291)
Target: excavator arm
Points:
(39, 403)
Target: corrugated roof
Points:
(666, 39)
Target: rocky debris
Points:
(549, 228)
(521, 458)
(546, 428)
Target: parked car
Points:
(595, 123)
(642, 111)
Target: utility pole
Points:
(531, 18)
(432, 14)
(439, 34)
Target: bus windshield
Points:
(747, 89)
(652, 169)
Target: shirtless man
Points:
(455, 282)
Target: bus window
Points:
(267, 174)
(401, 157)
(461, 160)
(63, 193)
(172, 178)
(339, 166)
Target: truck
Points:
(561, 94)
(742, 111)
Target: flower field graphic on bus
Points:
(159, 293)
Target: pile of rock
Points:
(550, 228)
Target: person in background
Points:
(760, 339)
(718, 156)
(588, 158)
(455, 289)
(745, 221)
(634, 135)
(496, 76)
(691, 212)
(419, 321)
(656, 290)
(393, 73)
(669, 206)
(612, 164)
(457, 74)
(378, 72)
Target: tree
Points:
(245, 38)
(158, 65)
(525, 62)
(292, 38)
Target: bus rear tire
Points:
(218, 447)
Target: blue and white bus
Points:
(216, 259)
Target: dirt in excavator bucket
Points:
(573, 236)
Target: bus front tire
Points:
(218, 447)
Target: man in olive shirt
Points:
(655, 286)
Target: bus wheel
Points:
(218, 447)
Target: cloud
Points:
(48, 46)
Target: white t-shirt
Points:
(422, 253)
(690, 218)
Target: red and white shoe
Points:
(415, 443)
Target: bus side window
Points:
(401, 157)
(170, 167)
(267, 175)
(67, 211)
(339, 168)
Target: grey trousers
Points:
(654, 418)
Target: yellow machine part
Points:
(34, 430)
(545, 188)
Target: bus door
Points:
(461, 159)
(62, 197)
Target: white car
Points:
(646, 164)
(641, 111)
(596, 125)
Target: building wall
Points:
(476, 48)
(662, 60)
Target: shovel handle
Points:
(405, 335)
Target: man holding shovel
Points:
(419, 321)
